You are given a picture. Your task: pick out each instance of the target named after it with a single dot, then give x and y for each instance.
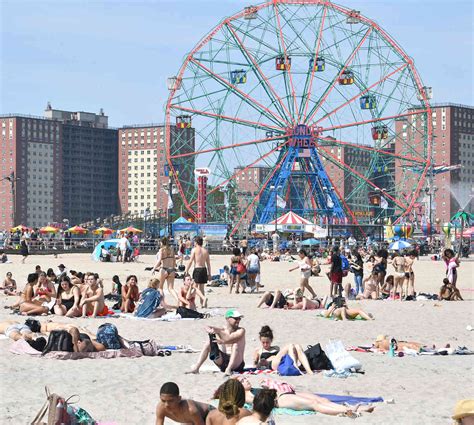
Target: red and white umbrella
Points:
(291, 218)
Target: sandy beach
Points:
(125, 391)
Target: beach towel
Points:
(169, 317)
(22, 347)
(255, 371)
(341, 399)
(277, 410)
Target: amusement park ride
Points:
(303, 89)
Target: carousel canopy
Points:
(290, 218)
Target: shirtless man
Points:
(92, 300)
(232, 336)
(383, 343)
(202, 265)
(399, 278)
(172, 406)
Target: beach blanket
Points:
(169, 317)
(341, 399)
(255, 371)
(22, 347)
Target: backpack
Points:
(107, 335)
(59, 340)
(150, 300)
(317, 358)
(287, 367)
(345, 265)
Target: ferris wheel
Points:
(298, 105)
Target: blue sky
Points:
(84, 55)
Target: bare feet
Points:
(192, 371)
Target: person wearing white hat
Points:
(231, 337)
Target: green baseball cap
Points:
(233, 313)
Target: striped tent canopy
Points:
(291, 218)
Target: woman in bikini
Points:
(234, 274)
(67, 303)
(166, 264)
(305, 266)
(288, 397)
(270, 357)
(27, 304)
(130, 294)
(9, 285)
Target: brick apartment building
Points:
(64, 164)
(453, 144)
(141, 168)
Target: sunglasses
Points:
(237, 319)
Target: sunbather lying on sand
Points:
(340, 311)
(289, 398)
(284, 300)
(383, 343)
(26, 330)
(172, 406)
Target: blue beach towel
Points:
(340, 399)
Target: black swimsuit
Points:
(200, 275)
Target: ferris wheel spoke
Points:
(264, 185)
(371, 149)
(374, 120)
(268, 88)
(341, 164)
(233, 120)
(287, 74)
(223, 148)
(236, 173)
(307, 95)
(348, 61)
(400, 68)
(245, 97)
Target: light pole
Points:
(225, 191)
(276, 189)
(145, 215)
(12, 179)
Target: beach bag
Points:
(147, 347)
(317, 358)
(181, 268)
(187, 313)
(107, 335)
(287, 367)
(345, 265)
(59, 340)
(150, 300)
(340, 359)
(241, 269)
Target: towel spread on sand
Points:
(169, 317)
(255, 371)
(22, 347)
(340, 399)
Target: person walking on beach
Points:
(202, 265)
(24, 250)
(172, 406)
(232, 337)
(304, 265)
(335, 273)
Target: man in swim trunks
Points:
(231, 336)
(92, 300)
(202, 265)
(172, 406)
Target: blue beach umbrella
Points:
(400, 244)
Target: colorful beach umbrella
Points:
(20, 228)
(396, 246)
(77, 230)
(130, 229)
(49, 229)
(103, 231)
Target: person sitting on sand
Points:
(29, 304)
(231, 395)
(116, 294)
(151, 304)
(281, 300)
(172, 406)
(92, 301)
(386, 288)
(232, 337)
(263, 404)
(449, 292)
(371, 288)
(188, 292)
(270, 357)
(67, 303)
(9, 285)
(340, 311)
(130, 294)
(288, 397)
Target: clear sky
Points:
(84, 55)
